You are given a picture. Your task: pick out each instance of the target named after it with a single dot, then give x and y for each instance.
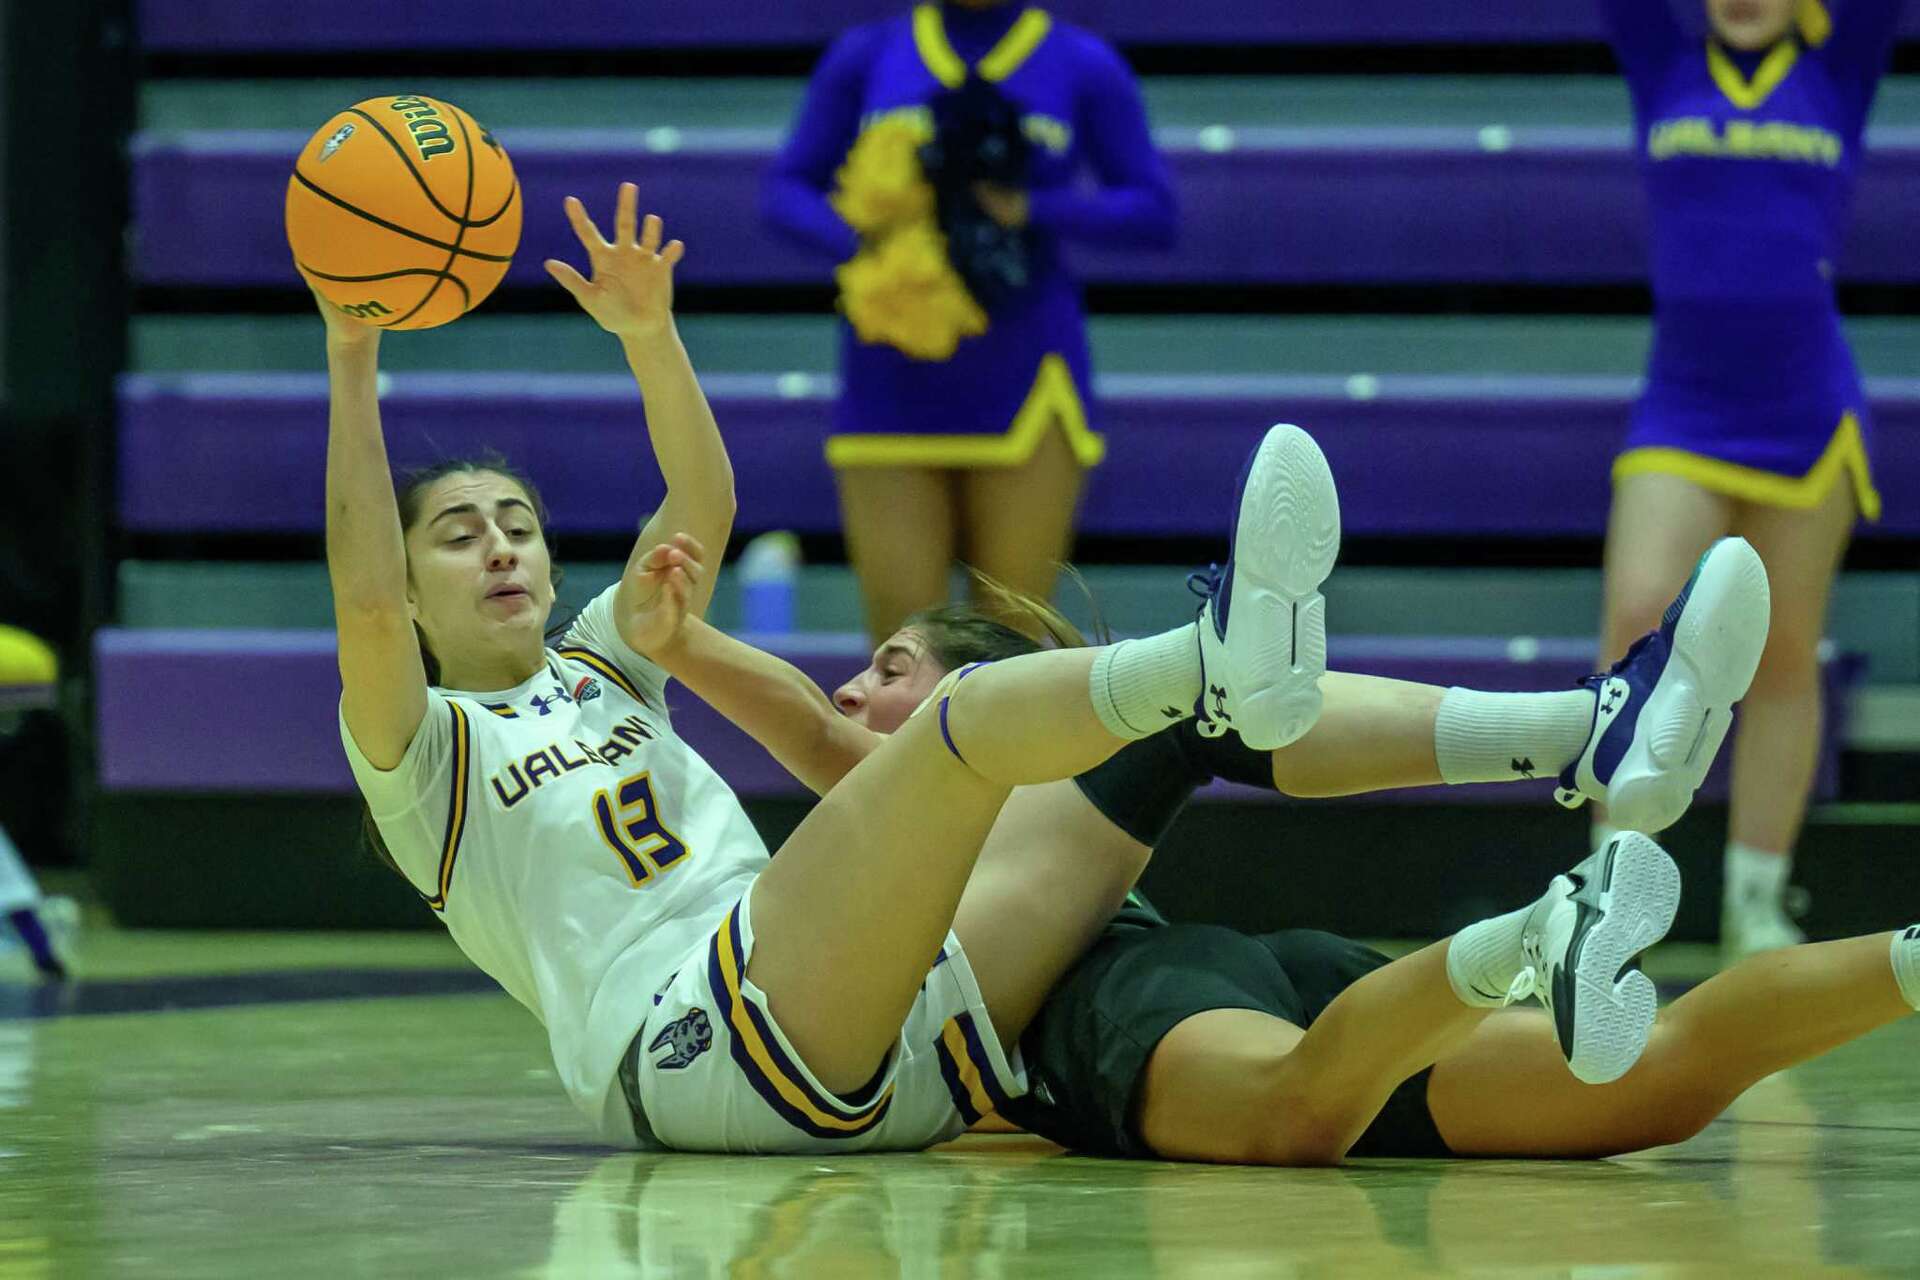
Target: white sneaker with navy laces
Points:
(1663, 710)
(1580, 943)
(1263, 631)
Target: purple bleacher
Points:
(1416, 456)
(275, 695)
(273, 26)
(1544, 205)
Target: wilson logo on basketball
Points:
(429, 130)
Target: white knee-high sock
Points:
(1139, 687)
(1505, 737)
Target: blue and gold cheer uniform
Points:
(992, 401)
(1750, 163)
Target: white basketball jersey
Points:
(573, 845)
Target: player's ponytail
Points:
(1005, 624)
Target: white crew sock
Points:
(1600, 834)
(1755, 878)
(1505, 737)
(1139, 687)
(1906, 963)
(1484, 958)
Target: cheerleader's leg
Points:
(1777, 743)
(1017, 522)
(899, 524)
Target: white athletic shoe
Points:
(1263, 631)
(1580, 942)
(1662, 712)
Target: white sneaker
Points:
(1748, 928)
(1580, 943)
(1263, 630)
(1664, 709)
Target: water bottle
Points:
(769, 576)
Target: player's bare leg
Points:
(850, 916)
(1503, 1092)
(1245, 1087)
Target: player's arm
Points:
(630, 295)
(384, 686)
(772, 701)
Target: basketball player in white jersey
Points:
(695, 994)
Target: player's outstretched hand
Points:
(342, 329)
(631, 292)
(656, 590)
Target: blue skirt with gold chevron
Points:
(989, 404)
(1760, 401)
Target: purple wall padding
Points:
(1346, 205)
(1467, 456)
(274, 697)
(253, 26)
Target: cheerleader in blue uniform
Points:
(1753, 420)
(939, 156)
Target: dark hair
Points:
(1004, 623)
(409, 491)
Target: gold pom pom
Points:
(26, 659)
(905, 293)
(881, 185)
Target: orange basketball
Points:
(403, 212)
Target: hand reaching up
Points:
(631, 292)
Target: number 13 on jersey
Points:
(630, 823)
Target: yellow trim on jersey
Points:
(956, 1042)
(1845, 457)
(1052, 398)
(589, 658)
(456, 804)
(1815, 23)
(1749, 94)
(1016, 46)
(1006, 57)
(748, 1036)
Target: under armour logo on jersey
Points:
(1523, 765)
(587, 690)
(686, 1039)
(545, 706)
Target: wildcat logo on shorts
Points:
(332, 145)
(686, 1038)
(587, 690)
